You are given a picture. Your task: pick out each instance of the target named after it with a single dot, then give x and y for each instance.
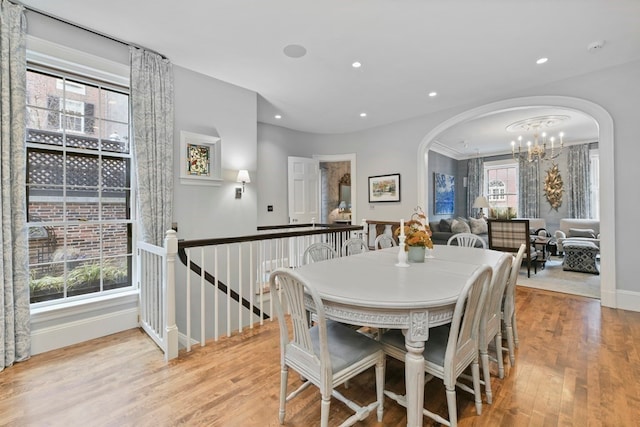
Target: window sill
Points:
(83, 306)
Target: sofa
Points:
(585, 230)
(445, 228)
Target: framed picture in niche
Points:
(444, 194)
(200, 159)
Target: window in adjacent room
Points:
(79, 193)
(501, 187)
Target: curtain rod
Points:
(81, 27)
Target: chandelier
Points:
(543, 147)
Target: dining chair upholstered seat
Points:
(326, 354)
(384, 241)
(317, 252)
(491, 322)
(450, 348)
(354, 245)
(509, 306)
(467, 239)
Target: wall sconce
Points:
(243, 177)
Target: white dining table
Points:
(368, 289)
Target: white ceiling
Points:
(465, 50)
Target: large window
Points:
(501, 186)
(78, 186)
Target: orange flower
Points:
(416, 232)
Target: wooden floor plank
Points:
(577, 364)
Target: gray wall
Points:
(393, 148)
(442, 164)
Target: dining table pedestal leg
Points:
(414, 381)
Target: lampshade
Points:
(481, 202)
(342, 205)
(243, 176)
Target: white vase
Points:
(416, 253)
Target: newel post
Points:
(171, 330)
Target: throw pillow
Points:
(478, 226)
(582, 232)
(445, 225)
(458, 226)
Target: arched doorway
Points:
(607, 190)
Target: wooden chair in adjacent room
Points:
(508, 234)
(326, 354)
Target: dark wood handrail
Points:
(184, 244)
(318, 229)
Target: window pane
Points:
(82, 170)
(115, 173)
(115, 137)
(83, 277)
(42, 90)
(83, 241)
(45, 205)
(114, 106)
(85, 209)
(115, 205)
(116, 272)
(115, 239)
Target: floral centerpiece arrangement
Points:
(417, 231)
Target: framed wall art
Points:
(384, 188)
(444, 194)
(200, 159)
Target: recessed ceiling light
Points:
(294, 51)
(432, 94)
(542, 60)
(363, 114)
(278, 116)
(356, 64)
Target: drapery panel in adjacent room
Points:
(578, 197)
(529, 191)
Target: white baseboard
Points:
(628, 300)
(62, 326)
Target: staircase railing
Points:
(221, 285)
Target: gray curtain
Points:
(529, 200)
(152, 119)
(15, 329)
(475, 183)
(578, 165)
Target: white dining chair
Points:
(509, 306)
(450, 348)
(326, 354)
(384, 241)
(354, 245)
(491, 323)
(317, 252)
(467, 239)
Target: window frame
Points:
(502, 164)
(47, 57)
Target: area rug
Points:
(554, 278)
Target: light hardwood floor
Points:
(578, 364)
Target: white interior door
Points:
(304, 190)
